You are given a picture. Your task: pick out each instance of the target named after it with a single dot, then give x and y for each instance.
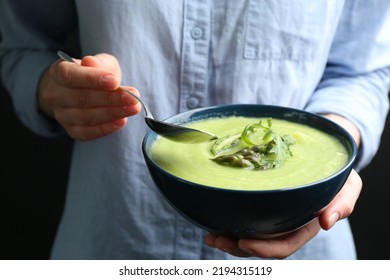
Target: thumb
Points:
(106, 62)
(91, 61)
(103, 60)
(344, 202)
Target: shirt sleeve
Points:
(356, 79)
(31, 33)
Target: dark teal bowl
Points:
(250, 214)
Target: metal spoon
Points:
(174, 132)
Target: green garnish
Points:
(226, 144)
(257, 147)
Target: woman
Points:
(320, 56)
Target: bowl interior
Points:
(259, 111)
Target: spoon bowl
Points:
(172, 131)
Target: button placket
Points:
(188, 233)
(188, 240)
(195, 54)
(196, 33)
(193, 102)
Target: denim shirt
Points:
(319, 56)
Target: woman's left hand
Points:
(283, 246)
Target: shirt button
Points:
(193, 102)
(188, 233)
(196, 33)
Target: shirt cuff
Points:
(24, 94)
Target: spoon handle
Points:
(148, 114)
(65, 56)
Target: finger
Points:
(88, 98)
(226, 244)
(94, 116)
(87, 133)
(344, 202)
(282, 246)
(72, 75)
(210, 239)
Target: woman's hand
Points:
(85, 97)
(283, 246)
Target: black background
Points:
(34, 174)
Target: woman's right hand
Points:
(85, 97)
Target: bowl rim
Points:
(351, 160)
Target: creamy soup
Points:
(315, 156)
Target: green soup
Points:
(315, 156)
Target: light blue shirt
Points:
(322, 56)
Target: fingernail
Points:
(117, 124)
(248, 251)
(333, 219)
(127, 99)
(128, 110)
(227, 249)
(109, 81)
